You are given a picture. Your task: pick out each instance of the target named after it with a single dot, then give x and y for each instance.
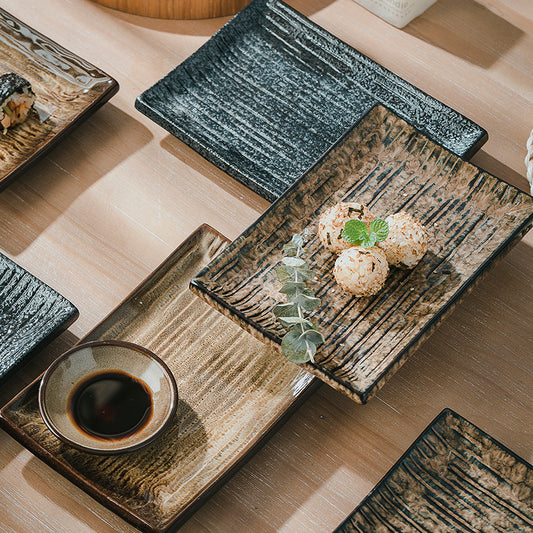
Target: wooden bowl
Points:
(177, 9)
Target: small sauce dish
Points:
(108, 397)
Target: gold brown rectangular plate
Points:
(454, 477)
(67, 89)
(472, 218)
(233, 392)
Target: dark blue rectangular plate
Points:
(271, 92)
(454, 477)
(31, 315)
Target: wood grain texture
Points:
(66, 88)
(232, 391)
(453, 478)
(471, 219)
(177, 9)
(104, 208)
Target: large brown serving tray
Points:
(454, 477)
(233, 392)
(67, 90)
(472, 218)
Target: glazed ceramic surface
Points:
(233, 390)
(471, 219)
(454, 477)
(31, 314)
(72, 369)
(67, 89)
(271, 92)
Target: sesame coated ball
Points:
(332, 222)
(361, 271)
(407, 241)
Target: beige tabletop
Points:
(105, 207)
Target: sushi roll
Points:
(332, 222)
(407, 241)
(361, 271)
(16, 100)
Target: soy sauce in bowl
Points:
(111, 405)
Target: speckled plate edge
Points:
(219, 160)
(54, 332)
(441, 416)
(110, 91)
(72, 475)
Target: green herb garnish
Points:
(300, 342)
(356, 232)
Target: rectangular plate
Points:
(233, 391)
(67, 90)
(471, 218)
(454, 477)
(271, 92)
(31, 315)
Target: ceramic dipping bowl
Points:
(90, 392)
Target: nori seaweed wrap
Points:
(16, 99)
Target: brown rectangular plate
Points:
(233, 391)
(67, 89)
(454, 477)
(471, 217)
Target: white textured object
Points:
(529, 161)
(397, 12)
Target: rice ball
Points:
(332, 222)
(361, 271)
(407, 241)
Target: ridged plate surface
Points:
(31, 314)
(271, 92)
(232, 390)
(471, 217)
(454, 478)
(67, 89)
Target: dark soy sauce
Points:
(111, 405)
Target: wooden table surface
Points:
(104, 208)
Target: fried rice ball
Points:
(361, 271)
(332, 222)
(407, 241)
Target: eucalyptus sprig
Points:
(300, 342)
(356, 232)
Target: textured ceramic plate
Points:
(31, 315)
(454, 477)
(233, 390)
(471, 216)
(67, 90)
(271, 92)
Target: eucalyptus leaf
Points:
(380, 228)
(296, 349)
(285, 273)
(295, 262)
(291, 287)
(290, 250)
(303, 274)
(298, 241)
(288, 309)
(289, 321)
(306, 301)
(313, 336)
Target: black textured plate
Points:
(31, 314)
(67, 90)
(454, 477)
(271, 92)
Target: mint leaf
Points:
(369, 240)
(380, 228)
(354, 231)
